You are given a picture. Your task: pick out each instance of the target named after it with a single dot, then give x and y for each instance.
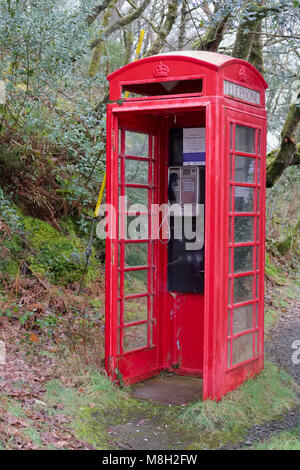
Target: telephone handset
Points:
(173, 181)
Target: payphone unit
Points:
(186, 180)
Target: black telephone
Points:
(173, 180)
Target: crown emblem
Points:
(160, 71)
(243, 74)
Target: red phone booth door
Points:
(137, 266)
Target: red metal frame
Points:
(190, 331)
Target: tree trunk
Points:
(288, 153)
(213, 37)
(166, 28)
(99, 48)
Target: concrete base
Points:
(169, 389)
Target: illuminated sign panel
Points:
(241, 92)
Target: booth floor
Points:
(169, 389)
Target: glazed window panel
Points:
(243, 259)
(228, 353)
(136, 144)
(135, 337)
(244, 139)
(242, 319)
(137, 196)
(230, 261)
(136, 171)
(243, 199)
(244, 169)
(243, 229)
(229, 291)
(135, 309)
(258, 171)
(135, 282)
(242, 348)
(136, 227)
(230, 198)
(257, 200)
(257, 257)
(136, 254)
(242, 289)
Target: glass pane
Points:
(136, 171)
(256, 343)
(243, 259)
(242, 319)
(230, 261)
(135, 337)
(229, 332)
(228, 354)
(243, 229)
(119, 284)
(137, 196)
(257, 200)
(229, 291)
(258, 171)
(230, 198)
(137, 227)
(243, 199)
(230, 229)
(244, 169)
(136, 282)
(136, 144)
(230, 167)
(257, 257)
(257, 229)
(242, 289)
(136, 254)
(257, 286)
(244, 139)
(231, 135)
(135, 309)
(242, 348)
(258, 143)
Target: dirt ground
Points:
(22, 391)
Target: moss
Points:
(59, 257)
(11, 249)
(272, 272)
(285, 245)
(100, 407)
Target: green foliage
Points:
(273, 272)
(60, 258)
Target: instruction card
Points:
(194, 146)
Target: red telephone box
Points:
(191, 132)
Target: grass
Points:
(99, 405)
(287, 440)
(281, 296)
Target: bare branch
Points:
(126, 20)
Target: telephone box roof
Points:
(212, 60)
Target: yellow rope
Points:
(100, 195)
